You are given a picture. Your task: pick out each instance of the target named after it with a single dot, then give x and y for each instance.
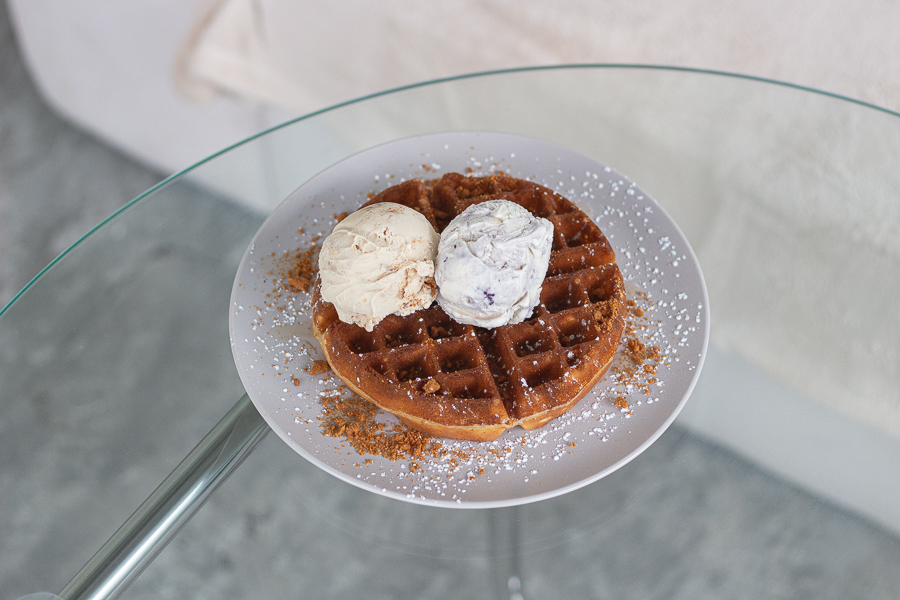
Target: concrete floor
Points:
(56, 182)
(686, 519)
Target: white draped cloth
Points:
(307, 55)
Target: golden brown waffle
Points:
(458, 381)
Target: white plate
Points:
(272, 340)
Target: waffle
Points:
(464, 382)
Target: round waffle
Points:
(464, 382)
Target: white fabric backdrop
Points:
(172, 81)
(305, 55)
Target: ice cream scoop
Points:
(492, 259)
(379, 261)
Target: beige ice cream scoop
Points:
(379, 261)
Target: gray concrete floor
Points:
(684, 520)
(56, 182)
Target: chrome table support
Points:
(505, 547)
(170, 506)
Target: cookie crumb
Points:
(318, 367)
(637, 350)
(355, 420)
(304, 270)
(431, 386)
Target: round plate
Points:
(273, 343)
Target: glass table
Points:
(779, 479)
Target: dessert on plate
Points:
(529, 304)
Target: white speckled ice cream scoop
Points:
(491, 262)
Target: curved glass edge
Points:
(429, 82)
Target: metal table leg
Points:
(505, 546)
(146, 532)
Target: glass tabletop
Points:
(779, 479)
